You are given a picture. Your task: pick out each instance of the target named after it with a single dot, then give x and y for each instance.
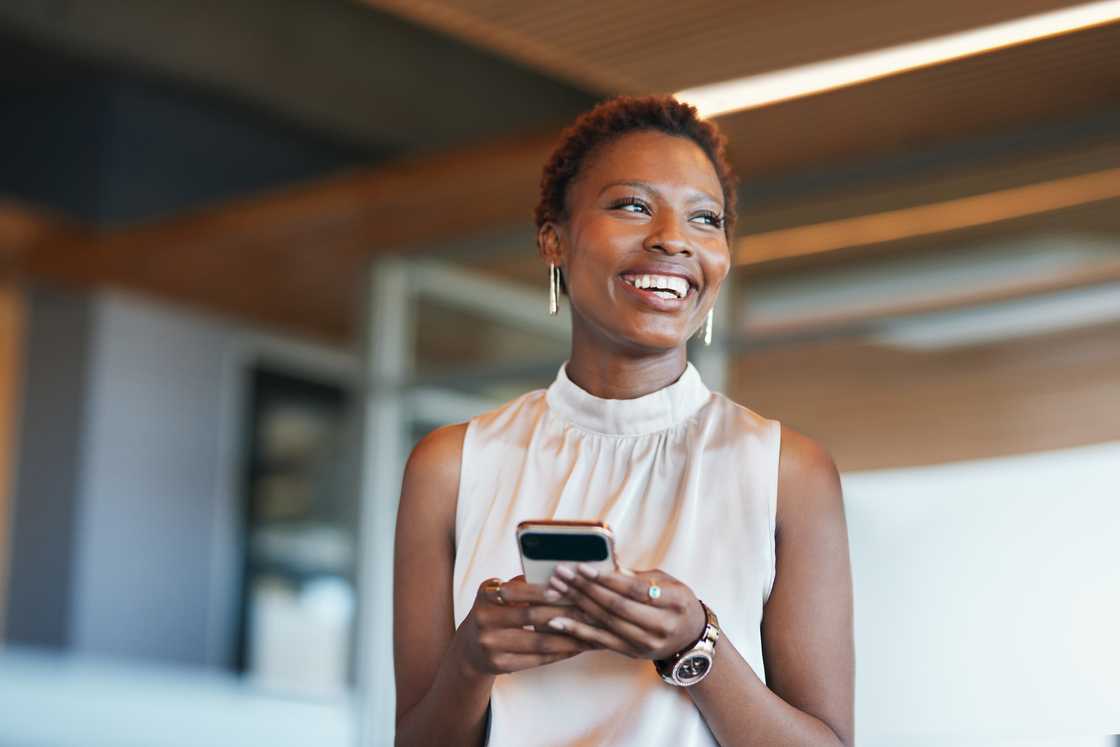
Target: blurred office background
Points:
(253, 250)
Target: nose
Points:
(666, 237)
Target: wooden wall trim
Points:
(11, 375)
(877, 407)
(294, 259)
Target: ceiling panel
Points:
(1058, 79)
(665, 45)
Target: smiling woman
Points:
(624, 243)
(705, 498)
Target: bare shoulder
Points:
(438, 456)
(808, 481)
(431, 478)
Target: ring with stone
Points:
(493, 586)
(654, 591)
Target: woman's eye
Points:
(631, 205)
(710, 219)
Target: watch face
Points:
(693, 668)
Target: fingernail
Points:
(588, 571)
(565, 571)
(557, 584)
(559, 623)
(552, 595)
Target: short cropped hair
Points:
(620, 116)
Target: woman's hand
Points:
(624, 616)
(503, 631)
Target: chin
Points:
(656, 340)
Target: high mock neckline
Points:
(656, 411)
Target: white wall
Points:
(987, 598)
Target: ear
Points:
(549, 243)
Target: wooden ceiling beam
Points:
(928, 219)
(295, 259)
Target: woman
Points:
(711, 500)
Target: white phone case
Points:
(539, 571)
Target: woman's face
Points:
(643, 248)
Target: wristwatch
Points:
(692, 664)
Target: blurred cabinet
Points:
(298, 593)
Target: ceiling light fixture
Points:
(1024, 317)
(756, 91)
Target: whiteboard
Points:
(987, 598)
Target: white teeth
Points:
(674, 287)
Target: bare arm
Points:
(438, 699)
(806, 629)
(444, 675)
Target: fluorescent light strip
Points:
(910, 286)
(1074, 309)
(755, 91)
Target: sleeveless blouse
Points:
(686, 479)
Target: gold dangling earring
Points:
(708, 327)
(553, 290)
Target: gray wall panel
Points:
(49, 470)
(149, 496)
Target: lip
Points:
(653, 300)
(659, 268)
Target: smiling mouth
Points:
(663, 286)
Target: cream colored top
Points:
(686, 479)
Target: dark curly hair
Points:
(619, 116)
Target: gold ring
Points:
(654, 591)
(494, 586)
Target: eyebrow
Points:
(696, 193)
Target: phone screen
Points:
(577, 548)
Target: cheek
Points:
(602, 238)
(593, 255)
(718, 264)
(590, 287)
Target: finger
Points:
(636, 586)
(490, 591)
(634, 635)
(590, 634)
(595, 613)
(518, 641)
(644, 616)
(525, 615)
(582, 603)
(519, 591)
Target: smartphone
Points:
(545, 543)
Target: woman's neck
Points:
(611, 374)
